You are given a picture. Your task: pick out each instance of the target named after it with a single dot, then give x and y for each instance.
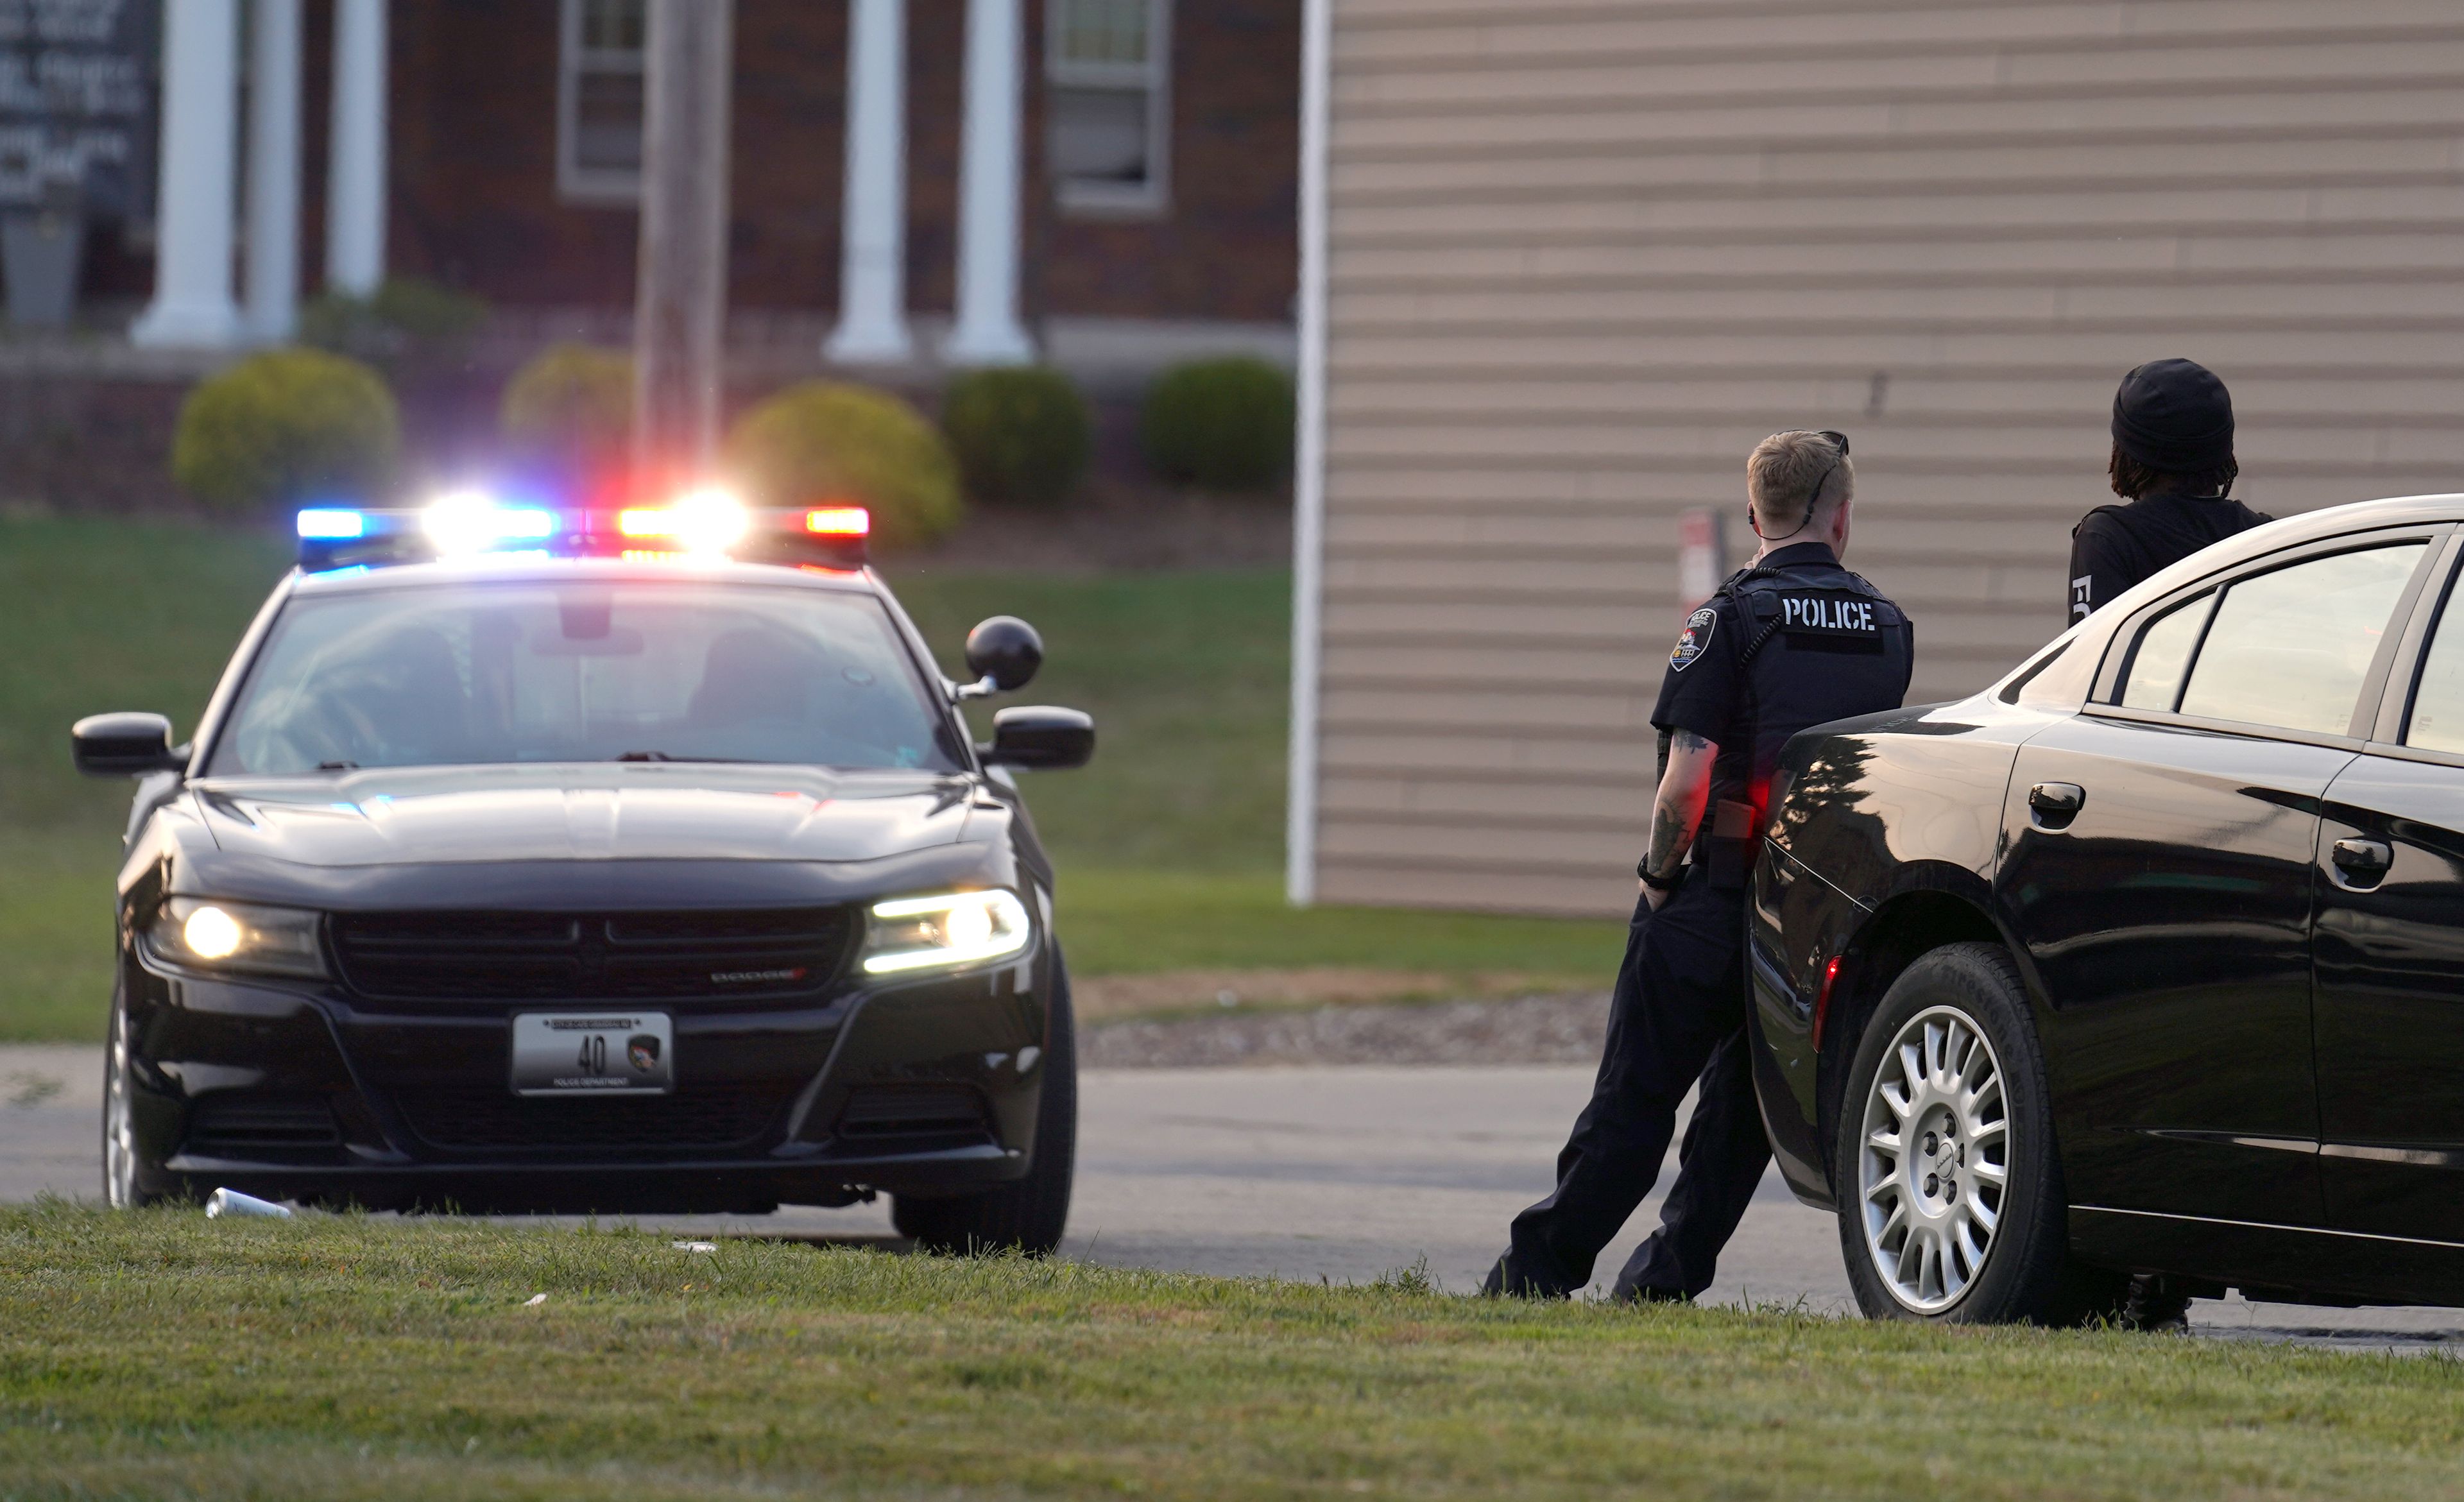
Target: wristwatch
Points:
(1670, 883)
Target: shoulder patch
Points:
(1695, 639)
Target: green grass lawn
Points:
(1170, 846)
(160, 1353)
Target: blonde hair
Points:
(1790, 473)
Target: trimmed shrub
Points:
(1019, 435)
(823, 440)
(285, 426)
(571, 406)
(407, 325)
(1220, 424)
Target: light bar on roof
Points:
(470, 524)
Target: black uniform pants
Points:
(1678, 1019)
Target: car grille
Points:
(585, 956)
(718, 1117)
(905, 1111)
(247, 1126)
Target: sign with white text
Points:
(77, 100)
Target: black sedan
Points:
(528, 860)
(2142, 973)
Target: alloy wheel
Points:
(1935, 1164)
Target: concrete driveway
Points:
(1298, 1173)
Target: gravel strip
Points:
(1526, 1029)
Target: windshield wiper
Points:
(662, 756)
(338, 766)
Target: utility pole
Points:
(680, 309)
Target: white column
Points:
(872, 274)
(988, 332)
(355, 188)
(192, 232)
(272, 277)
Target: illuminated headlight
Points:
(948, 931)
(238, 936)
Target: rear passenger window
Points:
(2290, 647)
(2438, 704)
(2156, 667)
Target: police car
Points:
(531, 859)
(2145, 964)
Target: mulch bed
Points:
(1526, 1029)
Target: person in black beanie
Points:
(2173, 462)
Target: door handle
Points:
(2363, 861)
(2055, 805)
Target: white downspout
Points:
(1309, 467)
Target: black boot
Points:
(1506, 1280)
(2157, 1304)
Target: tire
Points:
(1028, 1214)
(121, 1189)
(1947, 1177)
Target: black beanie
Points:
(2175, 417)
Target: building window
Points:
(598, 101)
(1108, 106)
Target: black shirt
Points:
(2114, 548)
(1831, 645)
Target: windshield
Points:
(587, 670)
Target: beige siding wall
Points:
(1582, 256)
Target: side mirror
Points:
(1037, 737)
(1006, 650)
(124, 745)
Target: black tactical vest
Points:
(1819, 644)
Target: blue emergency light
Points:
(699, 525)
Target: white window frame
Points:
(574, 182)
(1152, 198)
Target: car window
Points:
(2164, 649)
(2290, 647)
(582, 671)
(2437, 722)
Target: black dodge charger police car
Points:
(2148, 962)
(533, 859)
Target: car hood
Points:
(685, 811)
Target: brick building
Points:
(1152, 145)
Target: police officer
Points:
(1792, 641)
(2173, 462)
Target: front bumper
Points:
(927, 1087)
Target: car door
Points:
(2389, 947)
(2158, 872)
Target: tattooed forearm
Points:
(1684, 788)
(1670, 835)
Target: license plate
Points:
(593, 1053)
